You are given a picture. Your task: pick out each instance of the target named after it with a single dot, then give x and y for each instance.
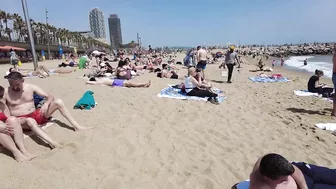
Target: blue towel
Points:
(37, 99)
(86, 102)
(268, 79)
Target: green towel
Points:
(86, 102)
(82, 62)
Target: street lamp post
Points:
(30, 32)
(48, 35)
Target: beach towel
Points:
(176, 93)
(86, 102)
(269, 79)
(326, 126)
(307, 93)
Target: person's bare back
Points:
(21, 103)
(258, 182)
(201, 55)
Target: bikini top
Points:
(3, 117)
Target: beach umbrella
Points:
(8, 48)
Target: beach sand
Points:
(142, 141)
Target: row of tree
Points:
(13, 28)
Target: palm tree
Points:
(2, 17)
(8, 31)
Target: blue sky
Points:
(197, 22)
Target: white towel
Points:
(305, 93)
(326, 126)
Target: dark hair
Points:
(10, 69)
(159, 74)
(274, 166)
(198, 70)
(318, 72)
(14, 76)
(164, 66)
(121, 63)
(198, 47)
(106, 59)
(92, 79)
(2, 91)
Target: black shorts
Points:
(201, 64)
(174, 76)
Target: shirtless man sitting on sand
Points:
(19, 99)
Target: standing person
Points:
(282, 61)
(230, 59)
(201, 57)
(333, 114)
(14, 59)
(273, 63)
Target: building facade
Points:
(115, 31)
(97, 24)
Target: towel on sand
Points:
(307, 93)
(326, 126)
(176, 93)
(86, 102)
(269, 79)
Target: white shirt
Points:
(188, 84)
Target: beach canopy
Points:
(8, 48)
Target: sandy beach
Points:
(142, 141)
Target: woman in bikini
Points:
(11, 134)
(117, 83)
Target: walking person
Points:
(230, 59)
(201, 59)
(14, 59)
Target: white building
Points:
(97, 24)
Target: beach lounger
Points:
(176, 93)
(307, 93)
(269, 79)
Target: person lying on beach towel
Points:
(314, 85)
(274, 171)
(19, 99)
(167, 72)
(41, 72)
(198, 88)
(11, 133)
(117, 83)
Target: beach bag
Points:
(19, 63)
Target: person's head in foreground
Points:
(275, 169)
(198, 47)
(15, 80)
(319, 73)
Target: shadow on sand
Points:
(300, 110)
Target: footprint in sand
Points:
(125, 148)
